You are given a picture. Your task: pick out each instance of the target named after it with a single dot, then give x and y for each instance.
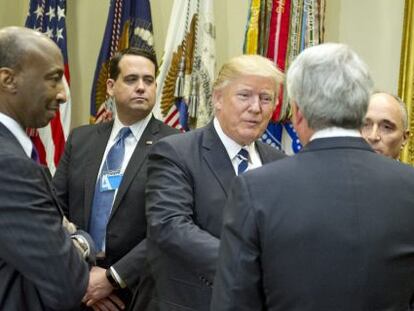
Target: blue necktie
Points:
(103, 200)
(243, 156)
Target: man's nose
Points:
(254, 104)
(61, 94)
(374, 133)
(140, 86)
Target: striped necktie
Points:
(243, 156)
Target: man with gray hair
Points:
(385, 125)
(331, 227)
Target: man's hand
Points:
(98, 287)
(69, 226)
(112, 303)
(103, 115)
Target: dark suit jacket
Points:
(188, 180)
(329, 229)
(39, 267)
(75, 181)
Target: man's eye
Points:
(266, 98)
(130, 80)
(56, 79)
(243, 96)
(148, 81)
(387, 127)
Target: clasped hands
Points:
(99, 295)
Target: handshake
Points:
(81, 240)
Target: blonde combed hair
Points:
(245, 65)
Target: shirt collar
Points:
(231, 146)
(17, 130)
(335, 132)
(137, 128)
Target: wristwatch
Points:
(111, 278)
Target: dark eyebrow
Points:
(53, 72)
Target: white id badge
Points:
(110, 181)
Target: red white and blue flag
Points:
(49, 17)
(186, 74)
(280, 30)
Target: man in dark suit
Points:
(189, 176)
(117, 223)
(40, 269)
(330, 228)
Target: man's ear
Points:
(217, 100)
(297, 116)
(406, 134)
(110, 86)
(8, 80)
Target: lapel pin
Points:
(148, 142)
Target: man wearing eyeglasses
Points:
(386, 124)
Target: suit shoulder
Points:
(270, 151)
(183, 138)
(84, 131)
(165, 129)
(181, 143)
(87, 129)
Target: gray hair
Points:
(331, 85)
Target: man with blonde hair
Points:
(189, 176)
(385, 125)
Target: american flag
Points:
(48, 17)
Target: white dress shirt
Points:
(335, 132)
(233, 148)
(130, 143)
(18, 132)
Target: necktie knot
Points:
(243, 156)
(123, 133)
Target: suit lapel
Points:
(137, 160)
(217, 158)
(96, 151)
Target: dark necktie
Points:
(243, 156)
(35, 155)
(103, 198)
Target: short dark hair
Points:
(148, 53)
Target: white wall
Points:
(371, 27)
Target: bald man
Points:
(386, 124)
(40, 269)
